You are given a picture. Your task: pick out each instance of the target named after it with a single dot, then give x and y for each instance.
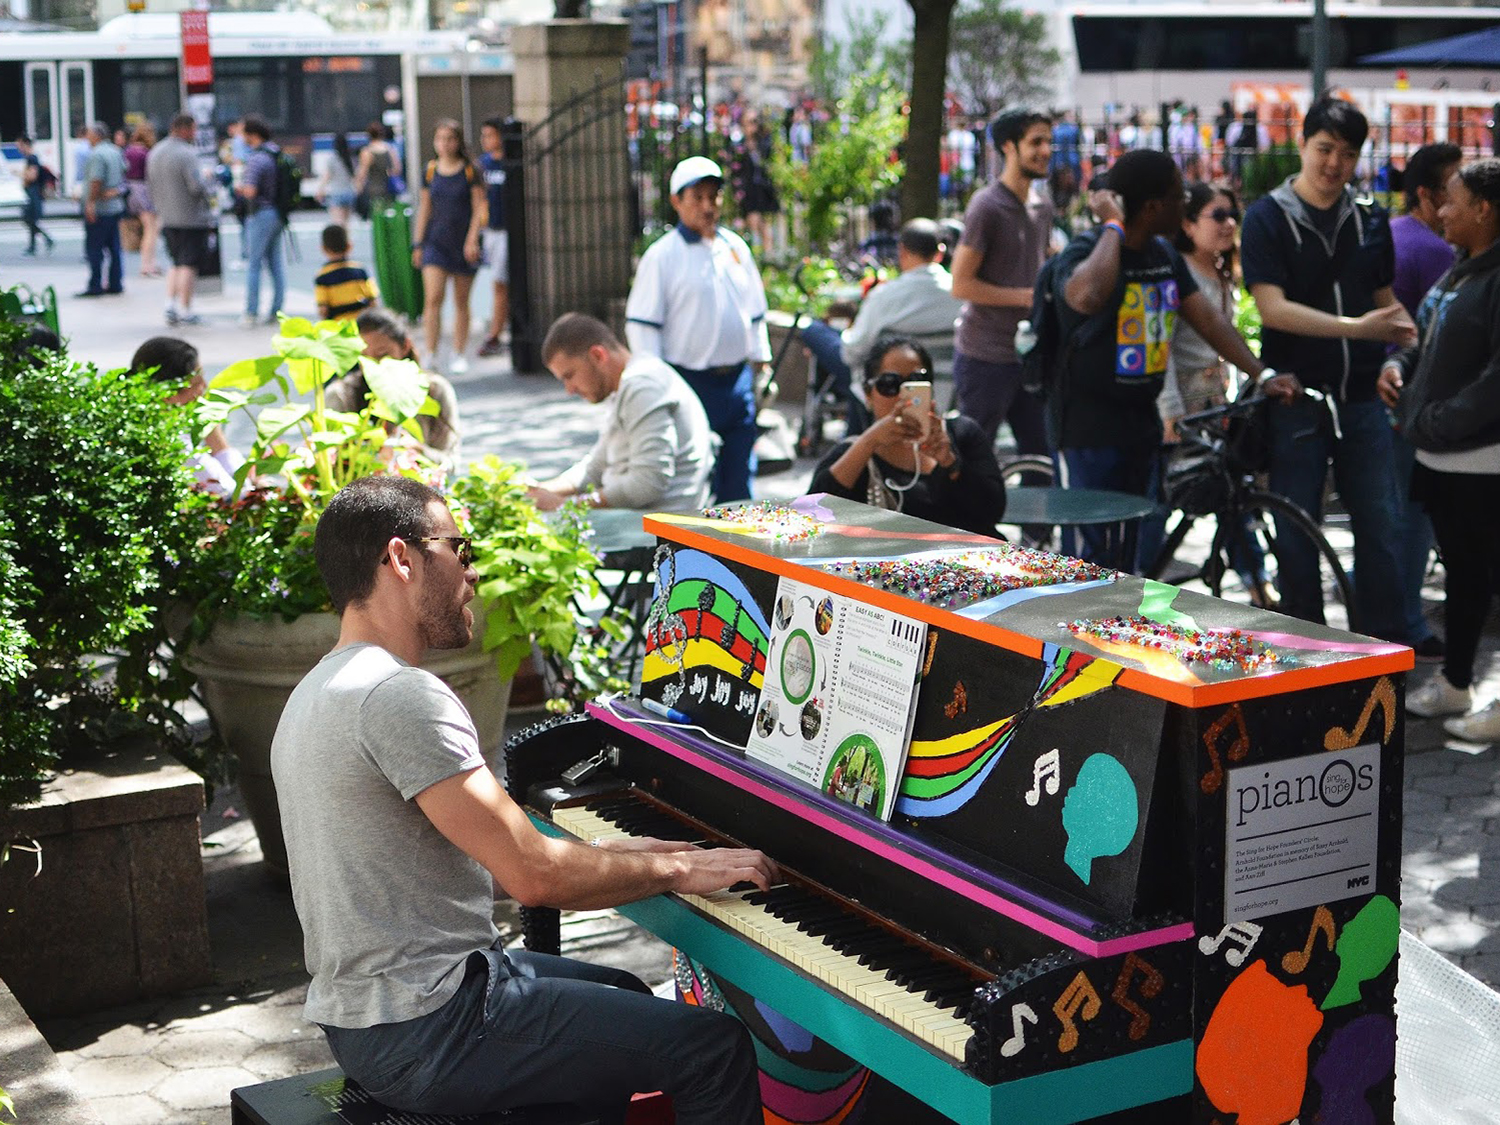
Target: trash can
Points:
(400, 282)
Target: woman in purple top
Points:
(139, 195)
(445, 238)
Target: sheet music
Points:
(840, 694)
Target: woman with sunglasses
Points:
(949, 477)
(1446, 392)
(1196, 377)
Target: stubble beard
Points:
(444, 623)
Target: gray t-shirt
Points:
(390, 910)
(1011, 237)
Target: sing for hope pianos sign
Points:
(1301, 832)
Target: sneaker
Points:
(490, 347)
(1430, 650)
(1438, 697)
(189, 318)
(459, 366)
(249, 320)
(173, 319)
(1481, 726)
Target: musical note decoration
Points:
(1152, 982)
(1079, 999)
(1296, 961)
(1383, 694)
(1238, 748)
(1243, 935)
(1046, 772)
(1020, 1016)
(959, 703)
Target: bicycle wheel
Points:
(1029, 469)
(1247, 543)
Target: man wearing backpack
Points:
(37, 179)
(1320, 264)
(264, 220)
(1118, 290)
(1006, 230)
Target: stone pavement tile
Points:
(204, 1087)
(1484, 966)
(129, 1074)
(1468, 893)
(282, 1060)
(266, 1023)
(1448, 785)
(1459, 935)
(185, 1049)
(1477, 809)
(129, 1109)
(1416, 801)
(111, 1042)
(1428, 765)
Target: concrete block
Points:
(36, 1081)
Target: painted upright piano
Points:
(1145, 850)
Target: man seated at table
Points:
(919, 302)
(398, 835)
(655, 451)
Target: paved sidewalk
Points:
(173, 1062)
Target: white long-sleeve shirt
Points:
(698, 303)
(655, 450)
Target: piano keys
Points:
(1102, 858)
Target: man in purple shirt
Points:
(1421, 258)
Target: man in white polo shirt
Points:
(698, 303)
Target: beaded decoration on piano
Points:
(767, 520)
(970, 576)
(1228, 649)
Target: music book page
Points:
(839, 696)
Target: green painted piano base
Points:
(1054, 1098)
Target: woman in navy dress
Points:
(445, 241)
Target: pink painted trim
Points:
(999, 905)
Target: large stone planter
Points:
(247, 669)
(113, 908)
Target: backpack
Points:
(46, 179)
(471, 174)
(288, 182)
(1050, 354)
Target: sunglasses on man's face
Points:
(888, 383)
(463, 546)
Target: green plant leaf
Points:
(399, 384)
(274, 421)
(247, 374)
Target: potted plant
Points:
(261, 618)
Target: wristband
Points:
(1116, 226)
(1266, 374)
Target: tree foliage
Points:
(865, 52)
(999, 56)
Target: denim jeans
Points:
(527, 1029)
(99, 236)
(1137, 471)
(1302, 443)
(1414, 542)
(827, 345)
(991, 393)
(263, 244)
(729, 402)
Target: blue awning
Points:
(1476, 48)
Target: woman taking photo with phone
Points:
(910, 459)
(1446, 392)
(445, 238)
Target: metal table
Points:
(1120, 512)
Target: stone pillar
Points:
(579, 225)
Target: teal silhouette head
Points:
(1100, 813)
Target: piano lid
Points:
(1171, 643)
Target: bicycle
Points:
(1214, 478)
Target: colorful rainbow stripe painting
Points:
(942, 775)
(707, 618)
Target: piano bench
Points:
(321, 1097)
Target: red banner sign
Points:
(197, 63)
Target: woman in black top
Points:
(950, 478)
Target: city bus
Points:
(306, 79)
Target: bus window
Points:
(40, 103)
(149, 87)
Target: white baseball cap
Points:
(693, 169)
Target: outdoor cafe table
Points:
(1119, 512)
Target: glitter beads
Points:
(1226, 649)
(950, 581)
(768, 520)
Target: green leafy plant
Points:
(532, 574)
(1247, 320)
(6, 1104)
(1263, 172)
(92, 477)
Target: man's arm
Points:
(646, 307)
(550, 494)
(1093, 281)
(1387, 322)
(478, 817)
(967, 285)
(1209, 321)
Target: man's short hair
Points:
(495, 123)
(335, 239)
(183, 121)
(1140, 176)
(920, 237)
(169, 360)
(359, 522)
(575, 333)
(1334, 115)
(256, 127)
(1425, 167)
(1013, 123)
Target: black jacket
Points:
(1451, 400)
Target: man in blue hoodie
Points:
(1319, 263)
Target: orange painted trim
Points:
(1186, 695)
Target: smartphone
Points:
(917, 402)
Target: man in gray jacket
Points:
(185, 202)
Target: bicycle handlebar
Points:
(1204, 420)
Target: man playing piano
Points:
(397, 834)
